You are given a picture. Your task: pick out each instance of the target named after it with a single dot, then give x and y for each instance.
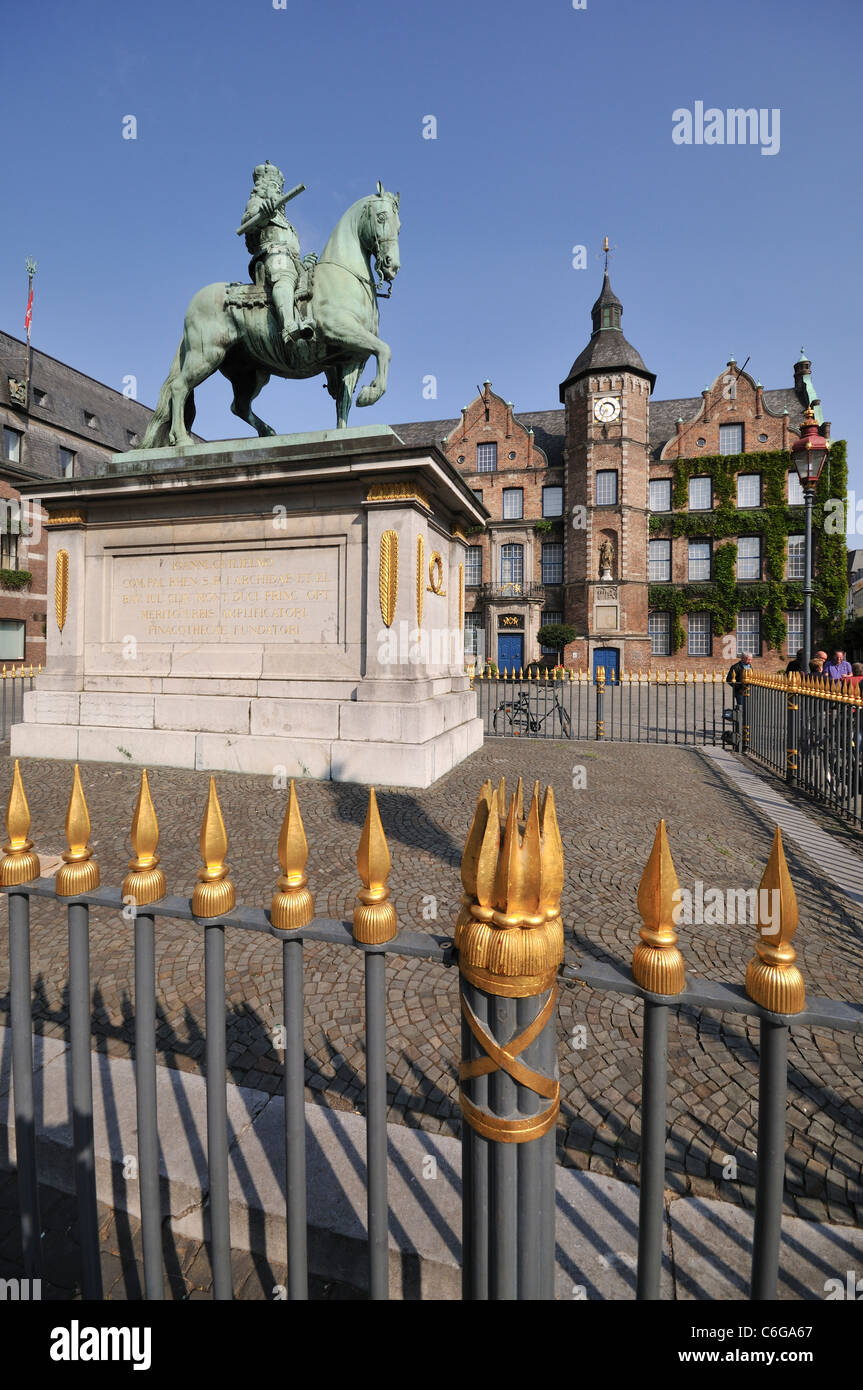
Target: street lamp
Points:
(808, 453)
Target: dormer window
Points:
(90, 419)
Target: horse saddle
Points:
(240, 296)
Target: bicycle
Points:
(517, 714)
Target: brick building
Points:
(69, 425)
(668, 533)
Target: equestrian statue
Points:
(295, 319)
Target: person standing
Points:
(838, 669)
(737, 676)
(796, 664)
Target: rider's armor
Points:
(275, 251)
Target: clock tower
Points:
(606, 456)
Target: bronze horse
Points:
(244, 342)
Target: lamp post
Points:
(808, 453)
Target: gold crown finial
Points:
(772, 978)
(293, 905)
(657, 964)
(79, 873)
(510, 936)
(145, 882)
(374, 915)
(214, 892)
(19, 863)
(471, 856)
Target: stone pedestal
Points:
(291, 606)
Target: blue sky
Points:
(553, 127)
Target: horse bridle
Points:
(368, 285)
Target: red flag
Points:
(28, 317)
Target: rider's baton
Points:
(253, 221)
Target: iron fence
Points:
(13, 683)
(810, 731)
(647, 707)
(508, 945)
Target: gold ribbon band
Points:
(509, 1131)
(512, 986)
(504, 1057)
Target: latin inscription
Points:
(228, 596)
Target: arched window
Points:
(512, 564)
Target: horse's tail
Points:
(156, 435)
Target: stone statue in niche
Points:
(606, 560)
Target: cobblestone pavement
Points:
(186, 1263)
(607, 827)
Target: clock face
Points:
(606, 408)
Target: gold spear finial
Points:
(214, 892)
(145, 882)
(374, 915)
(19, 864)
(772, 978)
(79, 873)
(293, 905)
(657, 964)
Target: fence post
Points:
(509, 937)
(145, 884)
(19, 866)
(657, 965)
(744, 715)
(792, 705)
(79, 873)
(374, 924)
(776, 983)
(600, 702)
(213, 896)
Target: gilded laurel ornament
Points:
(389, 576)
(436, 574)
(420, 560)
(61, 587)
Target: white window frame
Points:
(699, 567)
(797, 570)
(512, 558)
(14, 436)
(723, 429)
(548, 561)
(653, 562)
(513, 495)
(659, 483)
(747, 563)
(486, 457)
(699, 636)
(659, 632)
(603, 475)
(796, 495)
(793, 644)
(473, 553)
(12, 627)
(701, 478)
(745, 479)
(550, 488)
(751, 643)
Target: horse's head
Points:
(380, 231)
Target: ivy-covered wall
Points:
(774, 521)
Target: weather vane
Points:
(607, 251)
